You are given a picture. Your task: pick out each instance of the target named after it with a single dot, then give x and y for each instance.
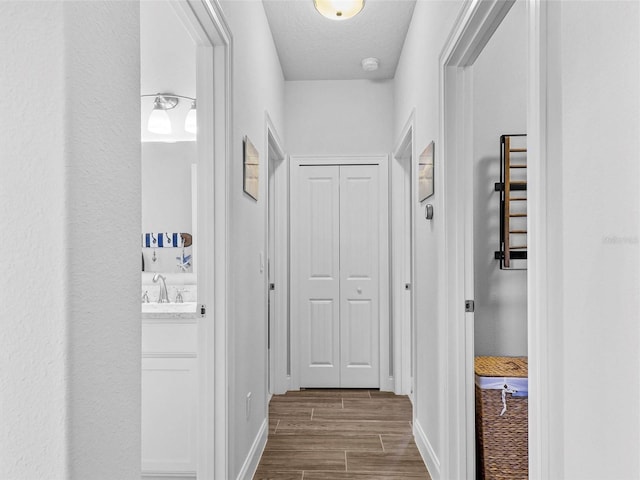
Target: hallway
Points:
(320, 434)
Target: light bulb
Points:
(191, 122)
(159, 120)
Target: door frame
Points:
(402, 325)
(210, 32)
(474, 27)
(295, 161)
(278, 354)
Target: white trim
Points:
(168, 475)
(426, 450)
(474, 27)
(403, 325)
(250, 464)
(383, 287)
(538, 331)
(169, 355)
(386, 383)
(338, 159)
(278, 353)
(208, 28)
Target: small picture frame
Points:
(425, 172)
(251, 168)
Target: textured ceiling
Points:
(312, 47)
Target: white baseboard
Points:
(426, 450)
(168, 476)
(250, 464)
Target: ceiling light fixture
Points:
(159, 121)
(339, 9)
(370, 64)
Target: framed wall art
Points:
(425, 172)
(251, 168)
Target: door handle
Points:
(359, 290)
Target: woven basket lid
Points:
(501, 366)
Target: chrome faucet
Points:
(163, 297)
(179, 298)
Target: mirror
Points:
(169, 151)
(169, 180)
(425, 173)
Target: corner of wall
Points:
(252, 460)
(426, 450)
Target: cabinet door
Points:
(169, 408)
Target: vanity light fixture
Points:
(159, 121)
(191, 121)
(339, 9)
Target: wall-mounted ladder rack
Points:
(512, 252)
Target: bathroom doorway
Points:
(185, 339)
(500, 233)
(472, 33)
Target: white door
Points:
(335, 228)
(317, 263)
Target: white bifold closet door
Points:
(335, 227)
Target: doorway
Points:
(209, 34)
(472, 32)
(402, 255)
(339, 261)
(277, 264)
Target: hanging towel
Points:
(162, 240)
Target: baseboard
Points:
(426, 450)
(168, 476)
(250, 464)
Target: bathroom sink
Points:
(153, 307)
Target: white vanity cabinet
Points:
(169, 397)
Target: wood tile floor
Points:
(325, 434)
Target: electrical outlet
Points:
(248, 406)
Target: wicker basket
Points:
(502, 441)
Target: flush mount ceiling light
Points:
(339, 9)
(370, 64)
(159, 121)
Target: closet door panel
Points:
(359, 272)
(316, 254)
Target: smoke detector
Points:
(370, 64)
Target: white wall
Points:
(594, 227)
(33, 317)
(335, 117)
(499, 107)
(69, 335)
(416, 86)
(258, 87)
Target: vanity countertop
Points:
(169, 311)
(169, 316)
